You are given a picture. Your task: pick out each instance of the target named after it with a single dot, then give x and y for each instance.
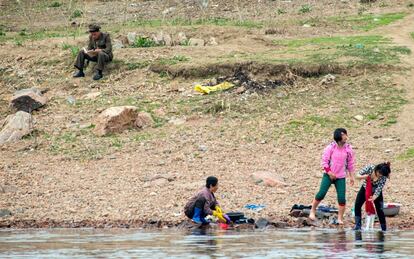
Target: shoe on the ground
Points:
(79, 74)
(97, 76)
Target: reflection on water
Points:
(122, 243)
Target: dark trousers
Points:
(379, 203)
(102, 58)
(198, 204)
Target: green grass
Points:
(74, 50)
(412, 35)
(144, 42)
(366, 22)
(172, 61)
(196, 22)
(371, 49)
(76, 14)
(55, 4)
(408, 155)
(305, 9)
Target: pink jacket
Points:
(338, 160)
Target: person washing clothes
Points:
(338, 160)
(377, 175)
(204, 203)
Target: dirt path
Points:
(400, 32)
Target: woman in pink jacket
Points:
(337, 161)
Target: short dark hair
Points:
(337, 135)
(384, 169)
(211, 180)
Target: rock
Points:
(261, 223)
(268, 179)
(16, 126)
(202, 148)
(117, 44)
(28, 100)
(305, 222)
(131, 37)
(177, 121)
(359, 117)
(7, 189)
(212, 42)
(91, 96)
(143, 120)
(328, 79)
(280, 224)
(307, 25)
(163, 39)
(196, 42)
(388, 151)
(123, 39)
(115, 119)
(5, 213)
(181, 38)
(240, 90)
(71, 100)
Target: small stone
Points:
(261, 223)
(131, 37)
(359, 117)
(71, 100)
(202, 148)
(91, 96)
(196, 42)
(240, 90)
(388, 151)
(182, 38)
(117, 44)
(144, 120)
(85, 125)
(328, 79)
(177, 121)
(5, 213)
(268, 179)
(212, 42)
(307, 25)
(153, 194)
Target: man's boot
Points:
(358, 223)
(198, 217)
(79, 74)
(98, 75)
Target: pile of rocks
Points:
(164, 39)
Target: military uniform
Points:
(103, 57)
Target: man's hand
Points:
(98, 50)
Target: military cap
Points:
(94, 27)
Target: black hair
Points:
(211, 181)
(337, 135)
(384, 169)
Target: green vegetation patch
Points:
(366, 22)
(353, 50)
(408, 155)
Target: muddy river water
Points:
(135, 243)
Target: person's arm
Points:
(326, 157)
(90, 44)
(350, 160)
(379, 188)
(108, 45)
(365, 172)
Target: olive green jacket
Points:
(104, 43)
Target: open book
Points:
(90, 52)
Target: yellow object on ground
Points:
(209, 89)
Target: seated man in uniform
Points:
(204, 203)
(99, 50)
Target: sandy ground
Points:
(135, 179)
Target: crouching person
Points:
(204, 203)
(99, 50)
(378, 176)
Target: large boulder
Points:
(115, 120)
(28, 100)
(269, 179)
(16, 126)
(162, 39)
(131, 37)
